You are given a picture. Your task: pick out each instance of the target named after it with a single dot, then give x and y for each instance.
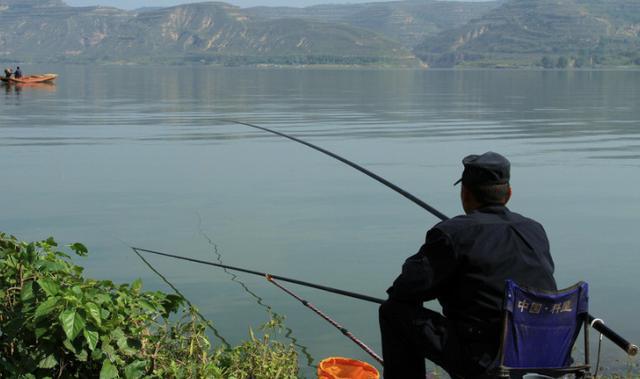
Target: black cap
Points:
(486, 169)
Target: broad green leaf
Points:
(52, 266)
(77, 291)
(26, 293)
(122, 343)
(101, 298)
(97, 354)
(172, 303)
(136, 285)
(51, 242)
(82, 356)
(108, 370)
(94, 312)
(147, 306)
(79, 249)
(48, 362)
(39, 332)
(61, 254)
(69, 345)
(117, 334)
(50, 287)
(72, 323)
(135, 370)
(46, 307)
(109, 350)
(91, 336)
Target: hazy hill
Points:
(524, 32)
(408, 22)
(47, 30)
(553, 33)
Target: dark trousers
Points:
(411, 333)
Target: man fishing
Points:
(463, 263)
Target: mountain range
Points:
(553, 33)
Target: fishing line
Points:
(177, 291)
(630, 348)
(234, 278)
(595, 372)
(209, 324)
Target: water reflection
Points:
(136, 151)
(19, 87)
(554, 106)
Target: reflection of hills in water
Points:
(586, 111)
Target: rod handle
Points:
(614, 337)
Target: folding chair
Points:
(539, 331)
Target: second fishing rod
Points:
(596, 323)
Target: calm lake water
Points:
(120, 156)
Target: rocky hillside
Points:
(504, 33)
(553, 33)
(48, 30)
(408, 22)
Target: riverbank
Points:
(57, 323)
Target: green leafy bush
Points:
(54, 323)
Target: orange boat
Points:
(44, 78)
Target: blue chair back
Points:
(542, 326)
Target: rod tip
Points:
(633, 350)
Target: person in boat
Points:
(8, 72)
(18, 73)
(463, 263)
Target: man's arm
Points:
(425, 274)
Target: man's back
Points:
(490, 246)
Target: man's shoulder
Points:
(479, 218)
(455, 224)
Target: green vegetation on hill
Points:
(56, 323)
(408, 22)
(500, 33)
(570, 33)
(209, 32)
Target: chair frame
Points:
(580, 371)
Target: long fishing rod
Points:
(630, 348)
(370, 174)
(264, 274)
(342, 329)
(597, 324)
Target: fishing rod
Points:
(264, 274)
(370, 174)
(342, 329)
(597, 324)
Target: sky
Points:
(132, 4)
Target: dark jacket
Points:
(465, 261)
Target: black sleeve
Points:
(425, 274)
